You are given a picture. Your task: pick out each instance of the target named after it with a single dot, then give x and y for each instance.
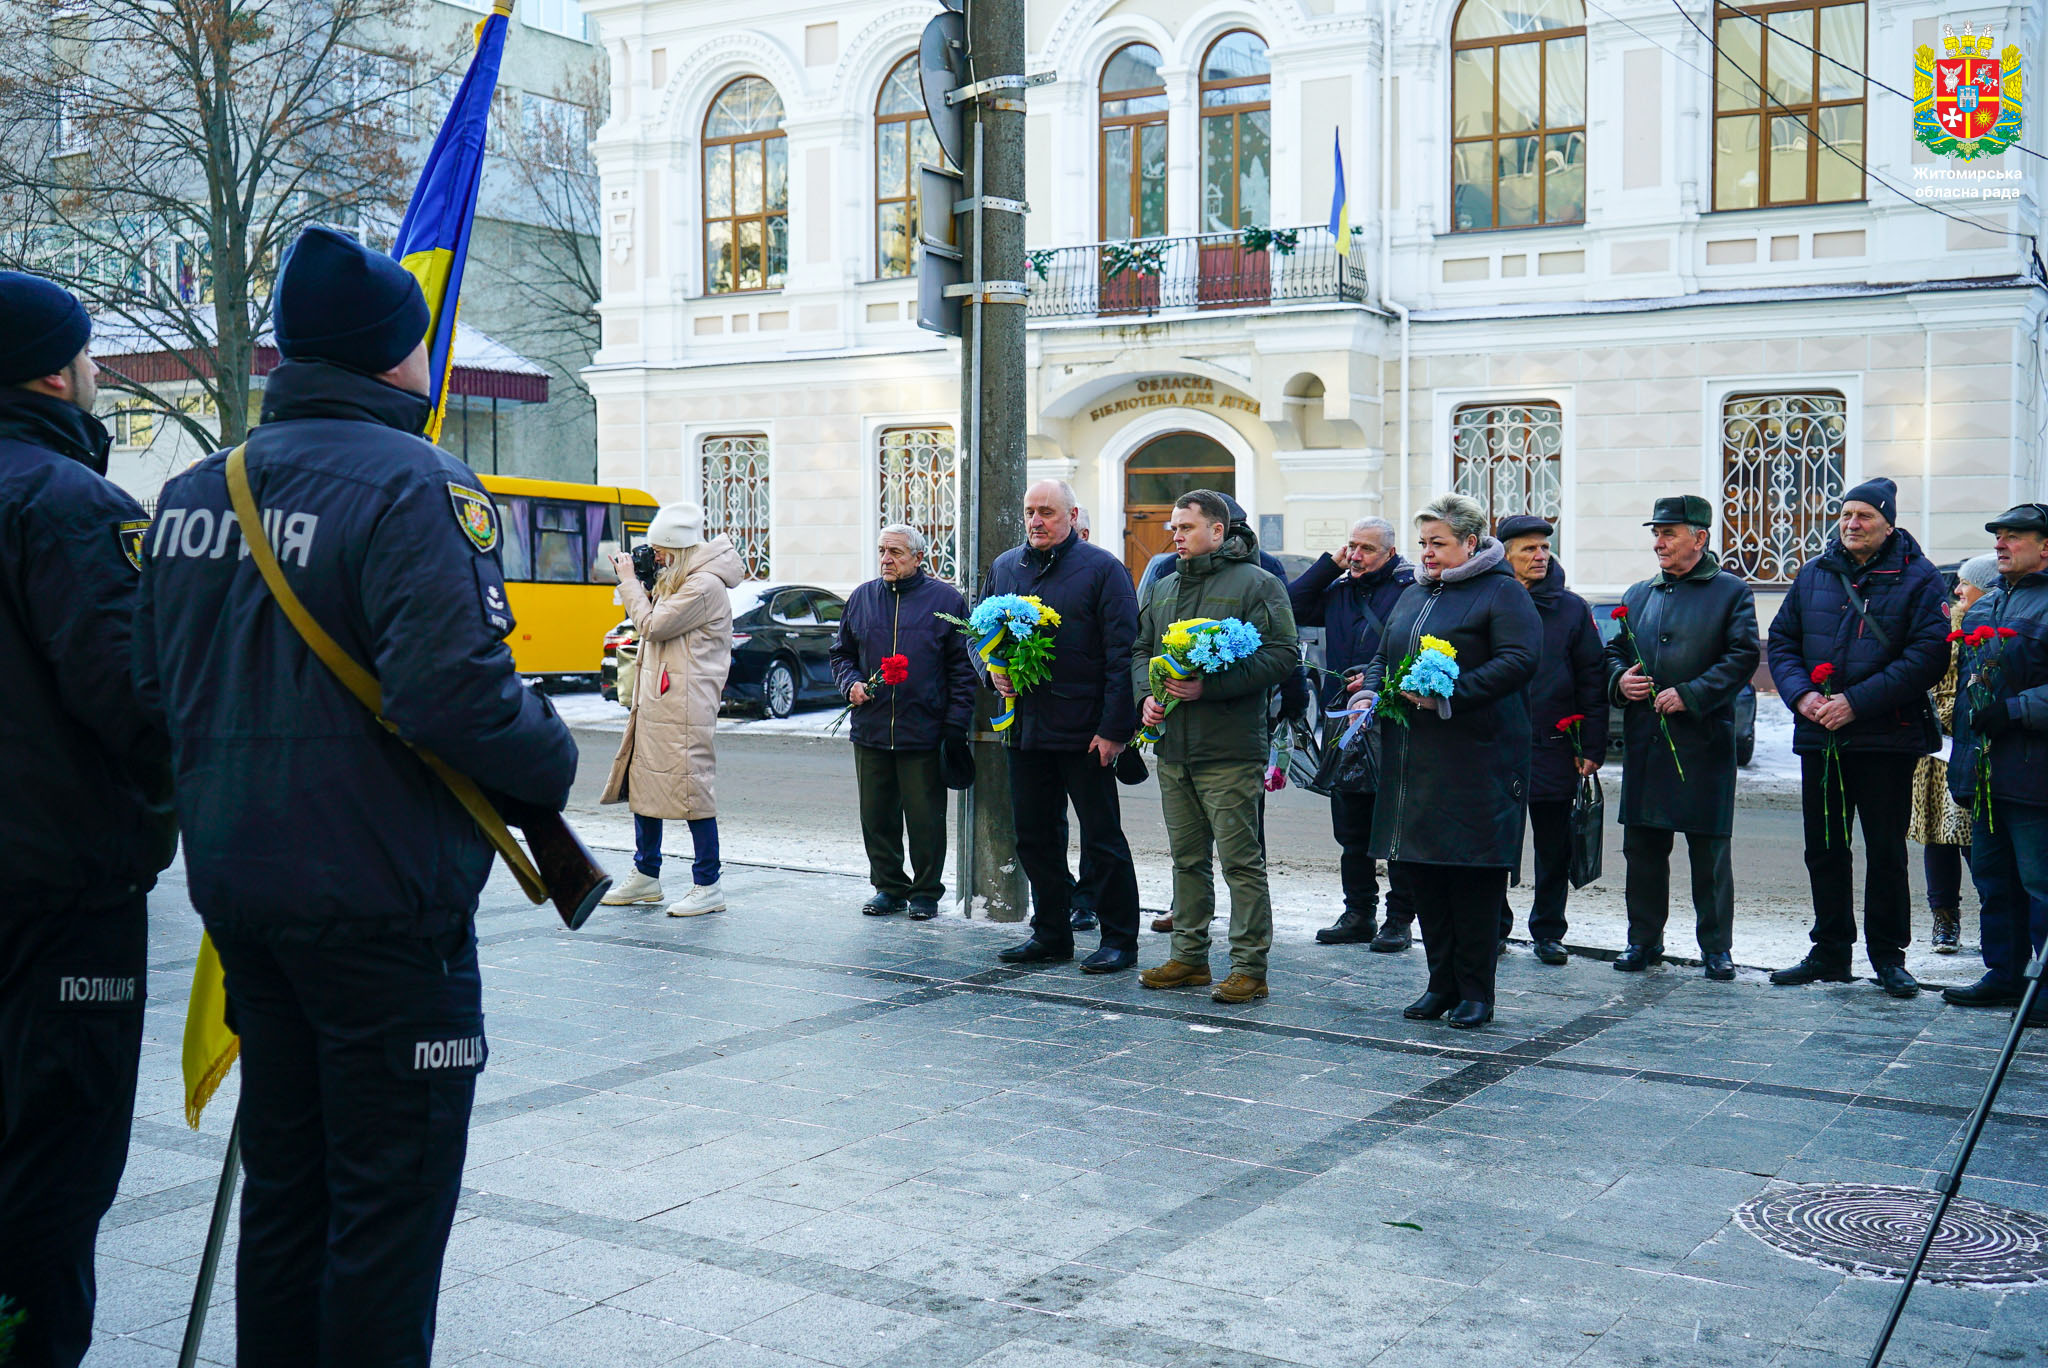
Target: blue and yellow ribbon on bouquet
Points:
(986, 650)
(1173, 669)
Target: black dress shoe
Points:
(1467, 1015)
(1986, 992)
(1637, 958)
(1082, 918)
(1108, 961)
(1035, 951)
(882, 905)
(1350, 929)
(1429, 1006)
(1501, 949)
(1552, 952)
(1812, 969)
(1894, 979)
(923, 909)
(1719, 966)
(1393, 937)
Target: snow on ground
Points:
(590, 712)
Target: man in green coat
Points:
(1212, 754)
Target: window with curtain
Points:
(903, 140)
(746, 189)
(1518, 114)
(1133, 146)
(1237, 134)
(1784, 463)
(1510, 457)
(921, 486)
(1785, 73)
(736, 496)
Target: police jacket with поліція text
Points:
(87, 809)
(304, 820)
(885, 618)
(1089, 694)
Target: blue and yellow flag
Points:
(1340, 202)
(433, 242)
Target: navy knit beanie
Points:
(1881, 494)
(42, 328)
(339, 301)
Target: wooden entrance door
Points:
(1158, 473)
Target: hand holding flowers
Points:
(1987, 707)
(1012, 635)
(1190, 649)
(1424, 679)
(1644, 686)
(894, 670)
(1831, 782)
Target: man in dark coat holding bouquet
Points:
(1859, 641)
(899, 727)
(1687, 646)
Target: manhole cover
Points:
(1872, 1230)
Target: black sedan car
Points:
(1745, 702)
(781, 639)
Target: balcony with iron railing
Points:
(1249, 269)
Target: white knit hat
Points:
(677, 525)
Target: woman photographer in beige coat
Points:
(666, 764)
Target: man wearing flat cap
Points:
(1861, 638)
(337, 875)
(1999, 767)
(1688, 645)
(84, 827)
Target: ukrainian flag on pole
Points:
(1340, 202)
(433, 242)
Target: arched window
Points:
(1133, 145)
(903, 139)
(1237, 134)
(1518, 113)
(746, 189)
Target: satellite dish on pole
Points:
(942, 67)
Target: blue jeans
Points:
(703, 842)
(2009, 862)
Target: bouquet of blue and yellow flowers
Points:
(1012, 635)
(1430, 671)
(1195, 646)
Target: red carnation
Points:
(2008, 632)
(1982, 636)
(895, 669)
(1823, 672)
(1565, 724)
(1958, 636)
(1620, 613)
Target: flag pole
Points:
(216, 1235)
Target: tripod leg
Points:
(1953, 1184)
(216, 1235)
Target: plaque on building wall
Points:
(1273, 531)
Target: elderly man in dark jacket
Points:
(899, 728)
(1349, 595)
(1570, 682)
(1868, 616)
(1069, 731)
(1688, 646)
(1999, 768)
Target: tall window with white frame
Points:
(1133, 145)
(920, 486)
(746, 190)
(1518, 114)
(903, 140)
(1784, 466)
(1237, 134)
(1510, 457)
(736, 490)
(1788, 104)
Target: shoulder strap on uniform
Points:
(360, 681)
(1884, 638)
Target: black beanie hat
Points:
(339, 301)
(1881, 494)
(42, 328)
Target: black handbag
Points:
(1589, 815)
(1351, 758)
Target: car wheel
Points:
(778, 690)
(1745, 749)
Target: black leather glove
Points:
(1993, 718)
(952, 733)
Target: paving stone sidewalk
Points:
(790, 1135)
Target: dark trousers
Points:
(1458, 907)
(2009, 862)
(1550, 828)
(359, 1065)
(1647, 852)
(704, 865)
(1042, 783)
(73, 978)
(1875, 789)
(902, 791)
(1351, 824)
(1943, 865)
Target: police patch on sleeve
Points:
(490, 593)
(129, 535)
(475, 516)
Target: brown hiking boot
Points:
(1163, 924)
(1238, 988)
(1174, 974)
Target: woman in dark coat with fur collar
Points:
(1454, 783)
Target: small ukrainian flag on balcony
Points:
(433, 241)
(1340, 202)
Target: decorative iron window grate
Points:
(1783, 462)
(921, 487)
(736, 497)
(1510, 457)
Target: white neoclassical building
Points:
(1599, 251)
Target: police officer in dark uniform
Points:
(336, 873)
(84, 823)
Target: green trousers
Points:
(1214, 805)
(902, 791)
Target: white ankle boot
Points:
(636, 889)
(700, 899)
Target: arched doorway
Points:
(1159, 472)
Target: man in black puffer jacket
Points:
(1873, 608)
(899, 728)
(84, 826)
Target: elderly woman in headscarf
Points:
(1938, 822)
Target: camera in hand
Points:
(644, 568)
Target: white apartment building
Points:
(1583, 272)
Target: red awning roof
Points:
(484, 367)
